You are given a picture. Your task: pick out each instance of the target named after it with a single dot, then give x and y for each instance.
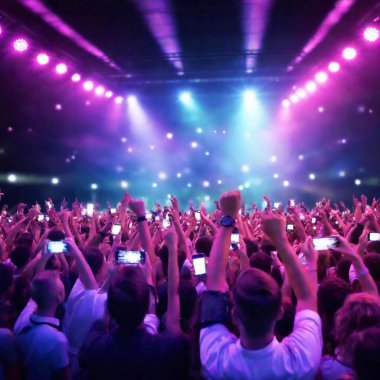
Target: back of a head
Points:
(204, 244)
(47, 289)
(56, 235)
(342, 269)
(366, 354)
(20, 255)
(261, 260)
(6, 278)
(360, 311)
(128, 297)
(25, 238)
(251, 247)
(267, 247)
(95, 259)
(372, 262)
(257, 301)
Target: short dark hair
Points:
(55, 235)
(204, 244)
(261, 260)
(95, 259)
(128, 297)
(372, 262)
(257, 301)
(26, 238)
(342, 269)
(373, 247)
(251, 247)
(20, 255)
(268, 247)
(6, 277)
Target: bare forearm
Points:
(367, 283)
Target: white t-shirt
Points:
(42, 347)
(331, 368)
(8, 352)
(296, 357)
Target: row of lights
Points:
(370, 34)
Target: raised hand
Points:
(274, 226)
(174, 202)
(230, 203)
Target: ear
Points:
(280, 313)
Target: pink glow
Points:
(61, 69)
(42, 59)
(349, 53)
(321, 77)
(99, 90)
(371, 34)
(119, 99)
(1, 30)
(301, 93)
(76, 77)
(294, 98)
(286, 103)
(108, 94)
(88, 85)
(311, 86)
(20, 45)
(334, 67)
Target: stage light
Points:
(123, 140)
(179, 175)
(58, 107)
(199, 130)
(42, 59)
(94, 186)
(275, 175)
(301, 93)
(219, 181)
(130, 150)
(358, 182)
(12, 178)
(151, 147)
(249, 96)
(186, 98)
(342, 173)
(311, 86)
(206, 184)
(76, 77)
(20, 45)
(321, 77)
(162, 176)
(189, 185)
(132, 99)
(207, 198)
(154, 184)
(312, 176)
(321, 109)
(273, 159)
(247, 185)
(61, 68)
(99, 90)
(108, 94)
(294, 98)
(119, 99)
(124, 184)
(1, 30)
(286, 103)
(194, 144)
(349, 53)
(371, 34)
(88, 85)
(169, 136)
(207, 153)
(334, 67)
(301, 157)
(241, 187)
(245, 168)
(286, 183)
(55, 181)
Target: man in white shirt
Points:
(256, 307)
(43, 348)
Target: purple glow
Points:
(76, 77)
(20, 45)
(371, 34)
(61, 69)
(119, 100)
(311, 87)
(294, 98)
(349, 53)
(88, 85)
(108, 94)
(321, 77)
(132, 99)
(334, 67)
(301, 93)
(286, 103)
(42, 59)
(1, 30)
(99, 90)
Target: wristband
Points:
(141, 219)
(363, 272)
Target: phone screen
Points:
(197, 216)
(373, 236)
(148, 216)
(90, 209)
(313, 220)
(40, 218)
(113, 210)
(276, 205)
(290, 227)
(129, 257)
(166, 223)
(199, 263)
(116, 228)
(56, 246)
(292, 202)
(325, 243)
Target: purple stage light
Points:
(311, 86)
(301, 93)
(119, 99)
(20, 45)
(42, 59)
(286, 103)
(1, 30)
(334, 67)
(132, 99)
(99, 90)
(294, 98)
(321, 77)
(349, 53)
(371, 34)
(76, 77)
(88, 85)
(61, 69)
(108, 94)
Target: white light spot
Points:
(286, 183)
(123, 140)
(179, 175)
(207, 153)
(206, 184)
(130, 149)
(275, 175)
(241, 187)
(199, 130)
(55, 181)
(194, 144)
(358, 182)
(219, 181)
(12, 178)
(169, 136)
(154, 184)
(321, 109)
(189, 184)
(162, 176)
(247, 185)
(245, 168)
(301, 157)
(152, 147)
(312, 176)
(273, 159)
(342, 173)
(94, 186)
(124, 184)
(207, 198)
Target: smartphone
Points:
(313, 220)
(373, 236)
(166, 223)
(290, 227)
(292, 202)
(116, 228)
(199, 263)
(57, 246)
(47, 218)
(129, 257)
(90, 209)
(113, 210)
(276, 205)
(148, 216)
(197, 216)
(325, 243)
(235, 239)
(40, 218)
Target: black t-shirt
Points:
(135, 354)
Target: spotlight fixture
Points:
(119, 100)
(349, 53)
(76, 77)
(108, 94)
(88, 85)
(20, 45)
(321, 77)
(42, 59)
(371, 34)
(61, 68)
(311, 86)
(286, 103)
(334, 67)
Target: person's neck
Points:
(256, 343)
(46, 311)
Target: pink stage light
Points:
(61, 69)
(99, 90)
(371, 34)
(119, 99)
(75, 77)
(286, 103)
(321, 77)
(334, 67)
(301, 93)
(349, 53)
(311, 86)
(88, 85)
(294, 98)
(108, 94)
(20, 45)
(42, 59)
